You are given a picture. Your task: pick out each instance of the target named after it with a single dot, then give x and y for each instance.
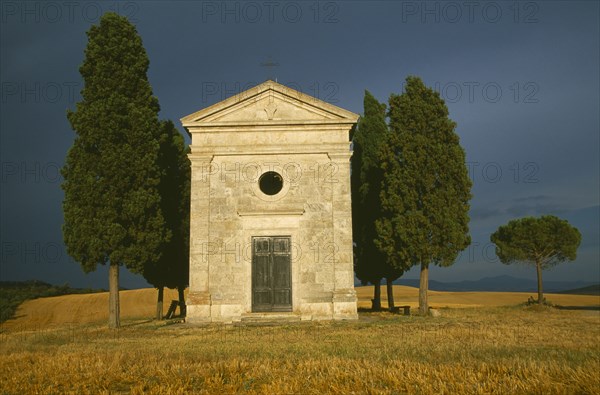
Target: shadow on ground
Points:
(587, 308)
(136, 323)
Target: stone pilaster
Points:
(199, 300)
(344, 295)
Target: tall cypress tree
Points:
(426, 186)
(111, 176)
(367, 176)
(172, 269)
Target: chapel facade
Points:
(270, 218)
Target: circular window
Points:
(270, 183)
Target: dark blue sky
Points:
(521, 79)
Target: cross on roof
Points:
(269, 64)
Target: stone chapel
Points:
(270, 219)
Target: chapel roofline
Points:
(335, 114)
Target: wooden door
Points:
(271, 274)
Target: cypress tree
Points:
(112, 213)
(426, 187)
(172, 269)
(367, 176)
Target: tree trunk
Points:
(159, 303)
(113, 296)
(376, 305)
(423, 287)
(390, 293)
(539, 278)
(182, 308)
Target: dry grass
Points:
(466, 351)
(141, 303)
(483, 350)
(84, 309)
(410, 296)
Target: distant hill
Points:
(13, 293)
(498, 284)
(590, 290)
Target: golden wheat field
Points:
(483, 343)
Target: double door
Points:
(271, 274)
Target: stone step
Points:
(269, 318)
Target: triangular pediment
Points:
(269, 103)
